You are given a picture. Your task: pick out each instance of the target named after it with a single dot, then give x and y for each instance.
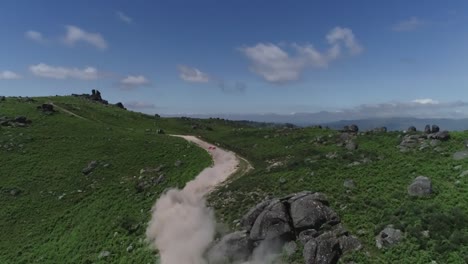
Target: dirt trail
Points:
(67, 111)
(182, 226)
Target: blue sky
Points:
(208, 57)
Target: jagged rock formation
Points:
(304, 217)
(97, 97)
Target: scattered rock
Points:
(349, 184)
(104, 254)
(435, 129)
(421, 186)
(463, 174)
(388, 237)
(458, 167)
(130, 248)
(15, 192)
(351, 145)
(160, 131)
(178, 163)
(282, 180)
(46, 108)
(91, 166)
(459, 155)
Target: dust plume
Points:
(182, 227)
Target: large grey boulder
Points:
(308, 212)
(421, 186)
(322, 251)
(435, 129)
(388, 237)
(272, 223)
(249, 218)
(235, 246)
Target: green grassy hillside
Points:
(381, 174)
(52, 213)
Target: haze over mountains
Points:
(329, 119)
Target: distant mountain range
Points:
(333, 120)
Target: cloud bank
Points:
(410, 24)
(194, 75)
(9, 75)
(276, 65)
(123, 17)
(35, 36)
(75, 34)
(134, 81)
(58, 72)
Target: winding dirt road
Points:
(182, 226)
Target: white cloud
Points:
(133, 81)
(9, 75)
(410, 24)
(278, 65)
(140, 105)
(123, 17)
(190, 74)
(57, 72)
(35, 36)
(339, 34)
(425, 101)
(75, 34)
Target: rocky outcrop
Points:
(19, 121)
(442, 135)
(120, 105)
(351, 128)
(303, 217)
(411, 129)
(46, 108)
(427, 129)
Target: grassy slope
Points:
(379, 199)
(79, 226)
(102, 211)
